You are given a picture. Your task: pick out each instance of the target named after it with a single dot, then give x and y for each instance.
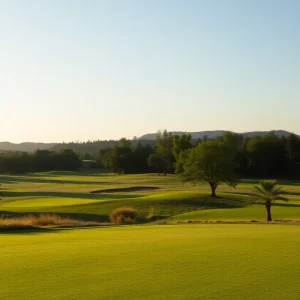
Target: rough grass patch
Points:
(123, 215)
(40, 220)
(152, 213)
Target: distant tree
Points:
(164, 149)
(181, 143)
(156, 161)
(210, 162)
(111, 159)
(117, 157)
(180, 160)
(141, 153)
(233, 140)
(293, 154)
(267, 156)
(102, 156)
(87, 156)
(67, 160)
(205, 138)
(44, 160)
(268, 192)
(125, 143)
(39, 161)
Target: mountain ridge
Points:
(215, 133)
(97, 145)
(25, 146)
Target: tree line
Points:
(39, 161)
(269, 156)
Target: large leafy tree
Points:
(267, 192)
(212, 162)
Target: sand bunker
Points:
(127, 189)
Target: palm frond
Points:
(280, 198)
(268, 191)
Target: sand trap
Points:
(128, 189)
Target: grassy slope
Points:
(152, 262)
(69, 194)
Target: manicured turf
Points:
(152, 262)
(68, 193)
(146, 262)
(280, 211)
(45, 202)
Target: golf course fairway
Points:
(215, 261)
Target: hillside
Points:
(94, 146)
(214, 133)
(26, 147)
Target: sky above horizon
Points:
(88, 70)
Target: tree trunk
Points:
(165, 170)
(213, 187)
(268, 209)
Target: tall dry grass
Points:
(123, 215)
(40, 221)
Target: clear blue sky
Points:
(78, 70)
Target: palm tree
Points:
(268, 192)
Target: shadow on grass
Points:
(69, 195)
(37, 230)
(170, 208)
(291, 193)
(286, 204)
(236, 192)
(294, 182)
(38, 179)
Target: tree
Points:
(157, 162)
(180, 160)
(181, 143)
(233, 140)
(267, 156)
(67, 160)
(164, 149)
(211, 162)
(268, 192)
(115, 158)
(293, 154)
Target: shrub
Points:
(152, 213)
(123, 215)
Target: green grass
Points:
(45, 202)
(68, 193)
(280, 211)
(152, 262)
(209, 261)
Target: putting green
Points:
(246, 262)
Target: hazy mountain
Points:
(26, 147)
(95, 146)
(215, 133)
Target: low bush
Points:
(123, 215)
(152, 213)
